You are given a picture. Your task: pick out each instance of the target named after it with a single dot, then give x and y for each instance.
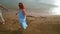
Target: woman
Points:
(22, 16)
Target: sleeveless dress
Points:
(22, 19)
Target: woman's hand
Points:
(16, 13)
(24, 12)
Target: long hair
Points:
(21, 6)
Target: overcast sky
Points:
(29, 3)
(38, 6)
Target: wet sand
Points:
(36, 25)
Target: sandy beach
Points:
(36, 25)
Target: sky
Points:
(29, 3)
(44, 6)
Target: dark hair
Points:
(21, 6)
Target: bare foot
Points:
(19, 27)
(3, 22)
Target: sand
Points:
(36, 25)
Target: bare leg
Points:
(2, 18)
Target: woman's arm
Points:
(24, 12)
(17, 13)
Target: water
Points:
(44, 10)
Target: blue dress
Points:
(22, 19)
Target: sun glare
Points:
(56, 11)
